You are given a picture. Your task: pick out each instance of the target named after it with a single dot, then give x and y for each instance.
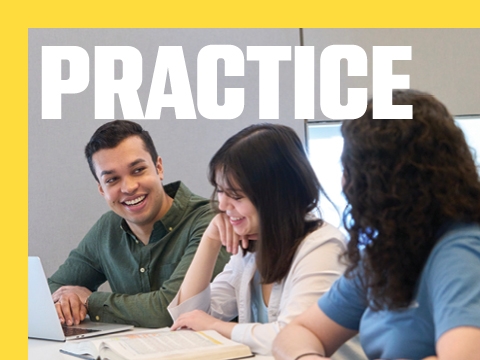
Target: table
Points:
(49, 350)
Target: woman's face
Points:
(241, 212)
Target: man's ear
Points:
(100, 189)
(159, 167)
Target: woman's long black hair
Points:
(269, 165)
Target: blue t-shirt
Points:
(448, 296)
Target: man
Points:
(143, 247)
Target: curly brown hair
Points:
(404, 181)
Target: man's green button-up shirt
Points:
(143, 278)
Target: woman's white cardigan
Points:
(315, 267)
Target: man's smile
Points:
(135, 201)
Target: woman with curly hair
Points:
(411, 288)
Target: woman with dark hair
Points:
(284, 257)
(412, 284)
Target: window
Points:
(325, 143)
(470, 124)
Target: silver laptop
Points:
(43, 322)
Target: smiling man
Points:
(143, 247)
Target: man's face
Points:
(131, 183)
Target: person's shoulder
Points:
(459, 235)
(110, 217)
(325, 235)
(189, 210)
(453, 265)
(325, 232)
(457, 250)
(108, 226)
(458, 238)
(181, 193)
(195, 203)
(109, 220)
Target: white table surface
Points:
(49, 350)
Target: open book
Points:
(160, 344)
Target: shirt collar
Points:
(181, 196)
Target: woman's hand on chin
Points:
(220, 231)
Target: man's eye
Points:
(110, 181)
(138, 170)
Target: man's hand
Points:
(70, 303)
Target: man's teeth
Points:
(135, 201)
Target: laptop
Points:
(43, 322)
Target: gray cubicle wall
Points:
(63, 197)
(445, 62)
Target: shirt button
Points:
(97, 318)
(142, 270)
(170, 229)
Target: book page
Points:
(83, 348)
(156, 345)
(164, 342)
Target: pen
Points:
(86, 357)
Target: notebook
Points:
(43, 322)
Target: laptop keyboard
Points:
(73, 331)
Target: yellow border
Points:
(16, 19)
(248, 13)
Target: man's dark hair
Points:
(111, 134)
(268, 164)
